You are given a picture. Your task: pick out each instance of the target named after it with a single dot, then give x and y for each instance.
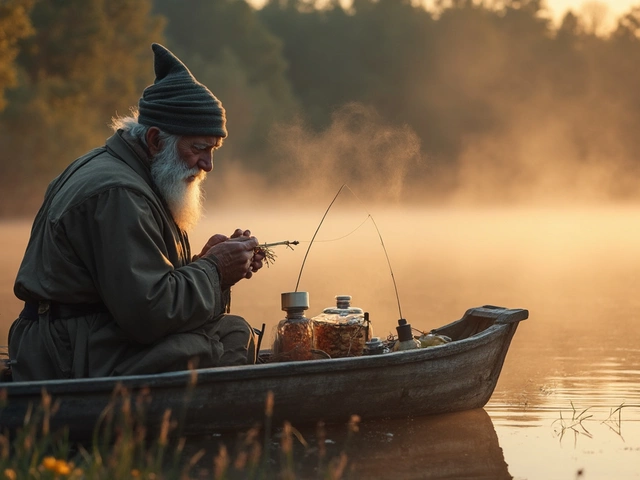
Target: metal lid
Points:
(295, 300)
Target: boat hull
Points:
(456, 376)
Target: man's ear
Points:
(153, 140)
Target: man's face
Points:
(178, 169)
(197, 152)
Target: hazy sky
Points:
(557, 7)
(617, 7)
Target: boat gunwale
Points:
(247, 372)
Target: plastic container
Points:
(342, 330)
(294, 334)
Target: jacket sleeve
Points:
(120, 236)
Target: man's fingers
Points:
(240, 233)
(235, 259)
(213, 241)
(248, 242)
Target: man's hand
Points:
(236, 256)
(258, 255)
(215, 240)
(219, 238)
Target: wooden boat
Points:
(456, 376)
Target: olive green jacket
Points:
(104, 236)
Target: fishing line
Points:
(369, 216)
(340, 238)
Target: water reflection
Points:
(458, 445)
(593, 375)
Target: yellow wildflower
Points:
(62, 468)
(10, 474)
(49, 463)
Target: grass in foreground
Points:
(122, 448)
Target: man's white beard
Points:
(171, 176)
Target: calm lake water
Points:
(571, 364)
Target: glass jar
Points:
(294, 334)
(342, 330)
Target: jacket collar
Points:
(123, 146)
(127, 149)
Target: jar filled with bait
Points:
(294, 334)
(342, 330)
(406, 341)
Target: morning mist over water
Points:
(520, 219)
(574, 269)
(496, 153)
(444, 260)
(515, 224)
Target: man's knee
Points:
(238, 340)
(236, 323)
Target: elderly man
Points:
(108, 279)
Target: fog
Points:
(521, 216)
(546, 149)
(547, 155)
(492, 160)
(444, 260)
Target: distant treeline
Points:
(466, 97)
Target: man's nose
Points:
(205, 161)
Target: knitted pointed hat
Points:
(177, 103)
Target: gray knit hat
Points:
(177, 103)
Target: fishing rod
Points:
(345, 186)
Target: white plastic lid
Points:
(294, 300)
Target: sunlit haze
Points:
(426, 162)
(557, 8)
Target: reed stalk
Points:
(122, 446)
